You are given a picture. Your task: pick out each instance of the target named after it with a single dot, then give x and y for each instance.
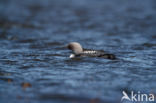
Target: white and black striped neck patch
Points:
(90, 52)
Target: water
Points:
(34, 63)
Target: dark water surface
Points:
(34, 63)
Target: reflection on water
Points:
(34, 63)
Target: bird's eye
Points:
(70, 47)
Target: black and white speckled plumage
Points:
(78, 51)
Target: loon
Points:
(78, 51)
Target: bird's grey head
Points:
(75, 47)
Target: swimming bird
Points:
(78, 51)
